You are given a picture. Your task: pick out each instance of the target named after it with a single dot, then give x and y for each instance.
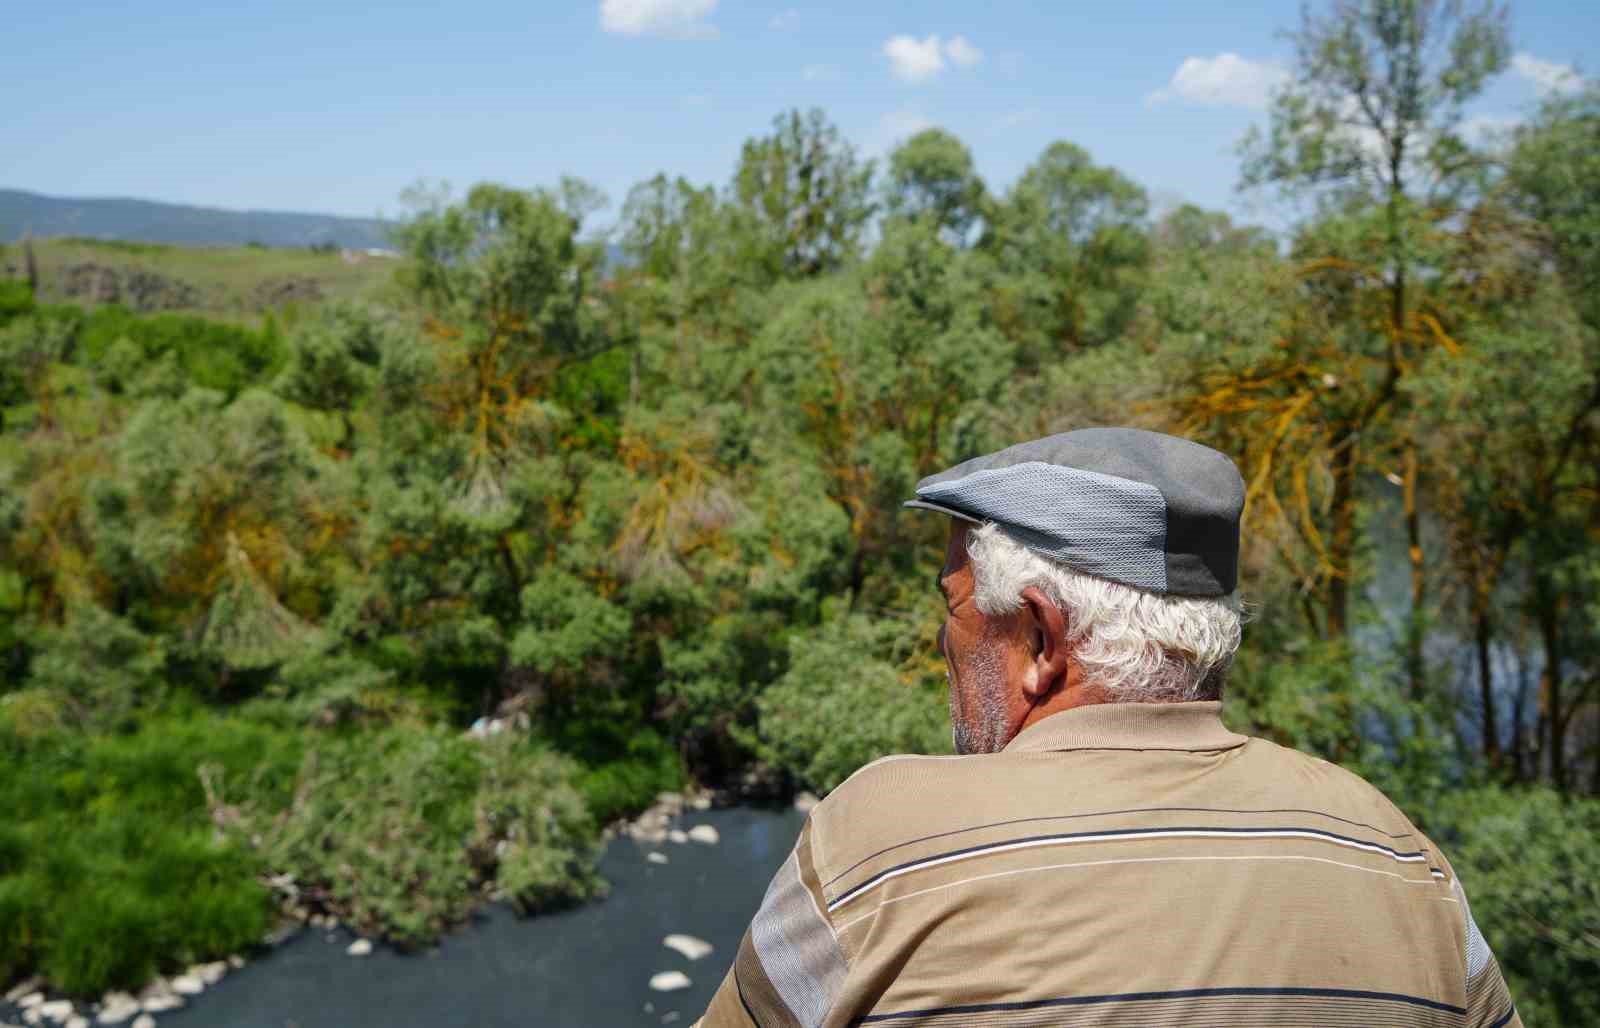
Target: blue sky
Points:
(318, 106)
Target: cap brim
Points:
(941, 509)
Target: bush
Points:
(841, 705)
(110, 867)
(401, 831)
(213, 354)
(630, 783)
(1527, 860)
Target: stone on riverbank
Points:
(77, 1021)
(158, 997)
(706, 834)
(805, 801)
(359, 948)
(188, 985)
(31, 1000)
(678, 836)
(117, 1007)
(210, 973)
(656, 858)
(235, 961)
(144, 1021)
(668, 981)
(56, 1010)
(691, 947)
(26, 987)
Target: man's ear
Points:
(1049, 630)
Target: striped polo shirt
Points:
(1118, 864)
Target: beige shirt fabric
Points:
(1118, 864)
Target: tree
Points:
(1069, 239)
(931, 175)
(504, 284)
(808, 190)
(1370, 119)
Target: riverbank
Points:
(587, 966)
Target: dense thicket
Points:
(650, 512)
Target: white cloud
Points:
(903, 124)
(962, 52)
(918, 60)
(1226, 80)
(674, 19)
(785, 20)
(819, 73)
(913, 60)
(1547, 76)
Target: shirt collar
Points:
(1130, 726)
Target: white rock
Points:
(77, 1021)
(235, 961)
(144, 1021)
(211, 973)
(656, 858)
(701, 802)
(805, 801)
(667, 981)
(691, 947)
(31, 1000)
(705, 834)
(359, 948)
(188, 985)
(117, 1007)
(678, 835)
(56, 1010)
(23, 988)
(31, 1015)
(160, 1004)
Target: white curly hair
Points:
(1140, 646)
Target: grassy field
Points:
(229, 282)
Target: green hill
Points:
(148, 221)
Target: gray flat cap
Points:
(1148, 510)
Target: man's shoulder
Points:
(892, 799)
(1295, 773)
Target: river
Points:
(587, 968)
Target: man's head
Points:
(1091, 567)
(1025, 637)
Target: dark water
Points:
(585, 967)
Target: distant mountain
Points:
(149, 222)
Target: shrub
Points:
(110, 867)
(842, 704)
(1527, 860)
(400, 831)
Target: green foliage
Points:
(1526, 858)
(16, 299)
(1070, 244)
(809, 192)
(401, 829)
(211, 354)
(101, 667)
(815, 720)
(99, 830)
(932, 175)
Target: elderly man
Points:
(1105, 851)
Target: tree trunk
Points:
(1491, 734)
(1550, 688)
(1341, 543)
(1416, 624)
